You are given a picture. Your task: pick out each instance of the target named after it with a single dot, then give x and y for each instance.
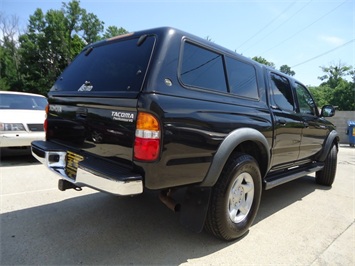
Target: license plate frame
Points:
(72, 163)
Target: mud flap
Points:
(194, 208)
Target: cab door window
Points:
(305, 101)
(282, 93)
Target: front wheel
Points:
(326, 176)
(235, 198)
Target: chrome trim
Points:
(85, 178)
(108, 185)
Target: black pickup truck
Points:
(164, 110)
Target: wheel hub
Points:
(238, 196)
(241, 197)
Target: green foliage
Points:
(72, 13)
(287, 70)
(344, 96)
(113, 31)
(334, 74)
(41, 50)
(52, 40)
(262, 60)
(6, 69)
(91, 27)
(284, 68)
(335, 89)
(10, 77)
(322, 95)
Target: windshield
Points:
(22, 102)
(111, 66)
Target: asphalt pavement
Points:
(299, 223)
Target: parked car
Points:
(165, 110)
(21, 118)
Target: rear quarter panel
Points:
(192, 130)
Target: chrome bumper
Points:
(98, 175)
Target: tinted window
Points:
(113, 66)
(202, 68)
(242, 78)
(22, 102)
(305, 100)
(282, 93)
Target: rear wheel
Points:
(326, 176)
(235, 198)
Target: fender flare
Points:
(226, 148)
(328, 143)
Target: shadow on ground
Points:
(102, 229)
(16, 157)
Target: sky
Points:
(303, 34)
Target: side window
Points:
(282, 92)
(202, 68)
(305, 101)
(242, 78)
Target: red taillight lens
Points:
(45, 124)
(147, 141)
(146, 149)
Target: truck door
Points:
(315, 129)
(288, 124)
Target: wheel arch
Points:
(246, 140)
(332, 138)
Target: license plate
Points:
(72, 163)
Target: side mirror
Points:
(328, 111)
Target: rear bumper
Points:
(91, 172)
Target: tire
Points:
(235, 198)
(326, 176)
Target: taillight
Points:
(147, 141)
(45, 124)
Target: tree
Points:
(10, 76)
(323, 95)
(334, 74)
(32, 61)
(352, 74)
(287, 70)
(284, 68)
(91, 27)
(113, 31)
(344, 96)
(51, 42)
(262, 60)
(73, 13)
(43, 49)
(335, 89)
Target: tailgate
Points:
(106, 130)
